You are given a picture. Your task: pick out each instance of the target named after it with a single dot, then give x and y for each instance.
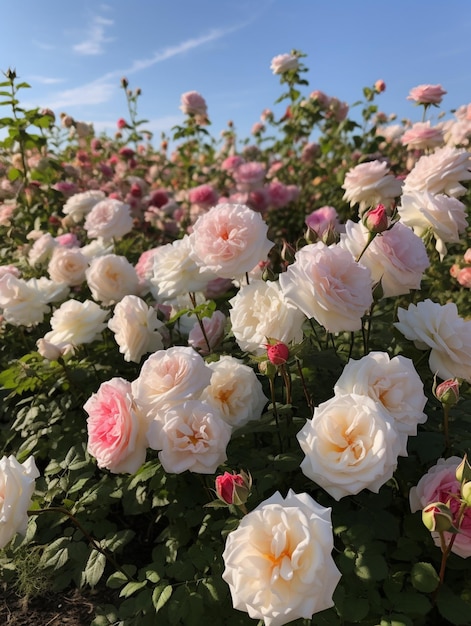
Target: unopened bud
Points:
(448, 392)
(437, 517)
(466, 493)
(376, 220)
(277, 352)
(463, 471)
(233, 488)
(124, 82)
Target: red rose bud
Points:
(233, 488)
(121, 123)
(437, 517)
(448, 392)
(277, 353)
(376, 220)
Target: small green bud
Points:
(437, 517)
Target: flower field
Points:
(235, 372)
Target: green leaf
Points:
(424, 577)
(13, 174)
(161, 595)
(94, 568)
(371, 567)
(130, 588)
(452, 607)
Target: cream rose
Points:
(439, 327)
(278, 562)
(110, 278)
(392, 382)
(369, 184)
(190, 436)
(326, 283)
(260, 311)
(80, 204)
(136, 328)
(76, 323)
(350, 444)
(234, 391)
(67, 265)
(109, 219)
(25, 302)
(440, 172)
(17, 482)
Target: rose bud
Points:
(233, 488)
(448, 392)
(376, 220)
(277, 352)
(437, 517)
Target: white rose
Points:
(175, 272)
(24, 303)
(350, 444)
(110, 219)
(393, 382)
(169, 377)
(80, 204)
(445, 217)
(76, 323)
(326, 283)
(439, 327)
(229, 240)
(67, 265)
(110, 278)
(17, 482)
(191, 436)
(136, 328)
(278, 562)
(284, 62)
(397, 257)
(261, 311)
(440, 172)
(234, 391)
(369, 184)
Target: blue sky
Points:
(74, 54)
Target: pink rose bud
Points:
(437, 517)
(121, 123)
(233, 488)
(277, 352)
(448, 392)
(380, 85)
(376, 220)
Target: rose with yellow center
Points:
(350, 444)
(278, 562)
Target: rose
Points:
(233, 488)
(193, 103)
(464, 277)
(42, 249)
(116, 429)
(169, 377)
(190, 436)
(322, 220)
(24, 303)
(326, 283)
(76, 323)
(109, 219)
(350, 444)
(440, 172)
(229, 240)
(249, 176)
(283, 63)
(17, 482)
(67, 265)
(110, 278)
(427, 94)
(440, 484)
(136, 328)
(235, 391)
(369, 184)
(175, 272)
(397, 258)
(392, 382)
(205, 196)
(278, 562)
(439, 327)
(422, 136)
(80, 204)
(444, 217)
(260, 310)
(213, 333)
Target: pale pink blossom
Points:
(427, 94)
(110, 278)
(440, 172)
(229, 240)
(467, 256)
(464, 277)
(205, 196)
(79, 205)
(327, 284)
(249, 176)
(422, 136)
(109, 219)
(322, 220)
(279, 194)
(231, 163)
(116, 429)
(369, 184)
(213, 329)
(67, 265)
(193, 103)
(283, 63)
(440, 484)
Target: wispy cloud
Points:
(96, 92)
(94, 42)
(45, 80)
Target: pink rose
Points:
(109, 219)
(422, 136)
(283, 63)
(214, 331)
(467, 256)
(440, 484)
(279, 194)
(249, 175)
(193, 103)
(116, 430)
(427, 94)
(464, 277)
(323, 219)
(204, 196)
(229, 240)
(232, 162)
